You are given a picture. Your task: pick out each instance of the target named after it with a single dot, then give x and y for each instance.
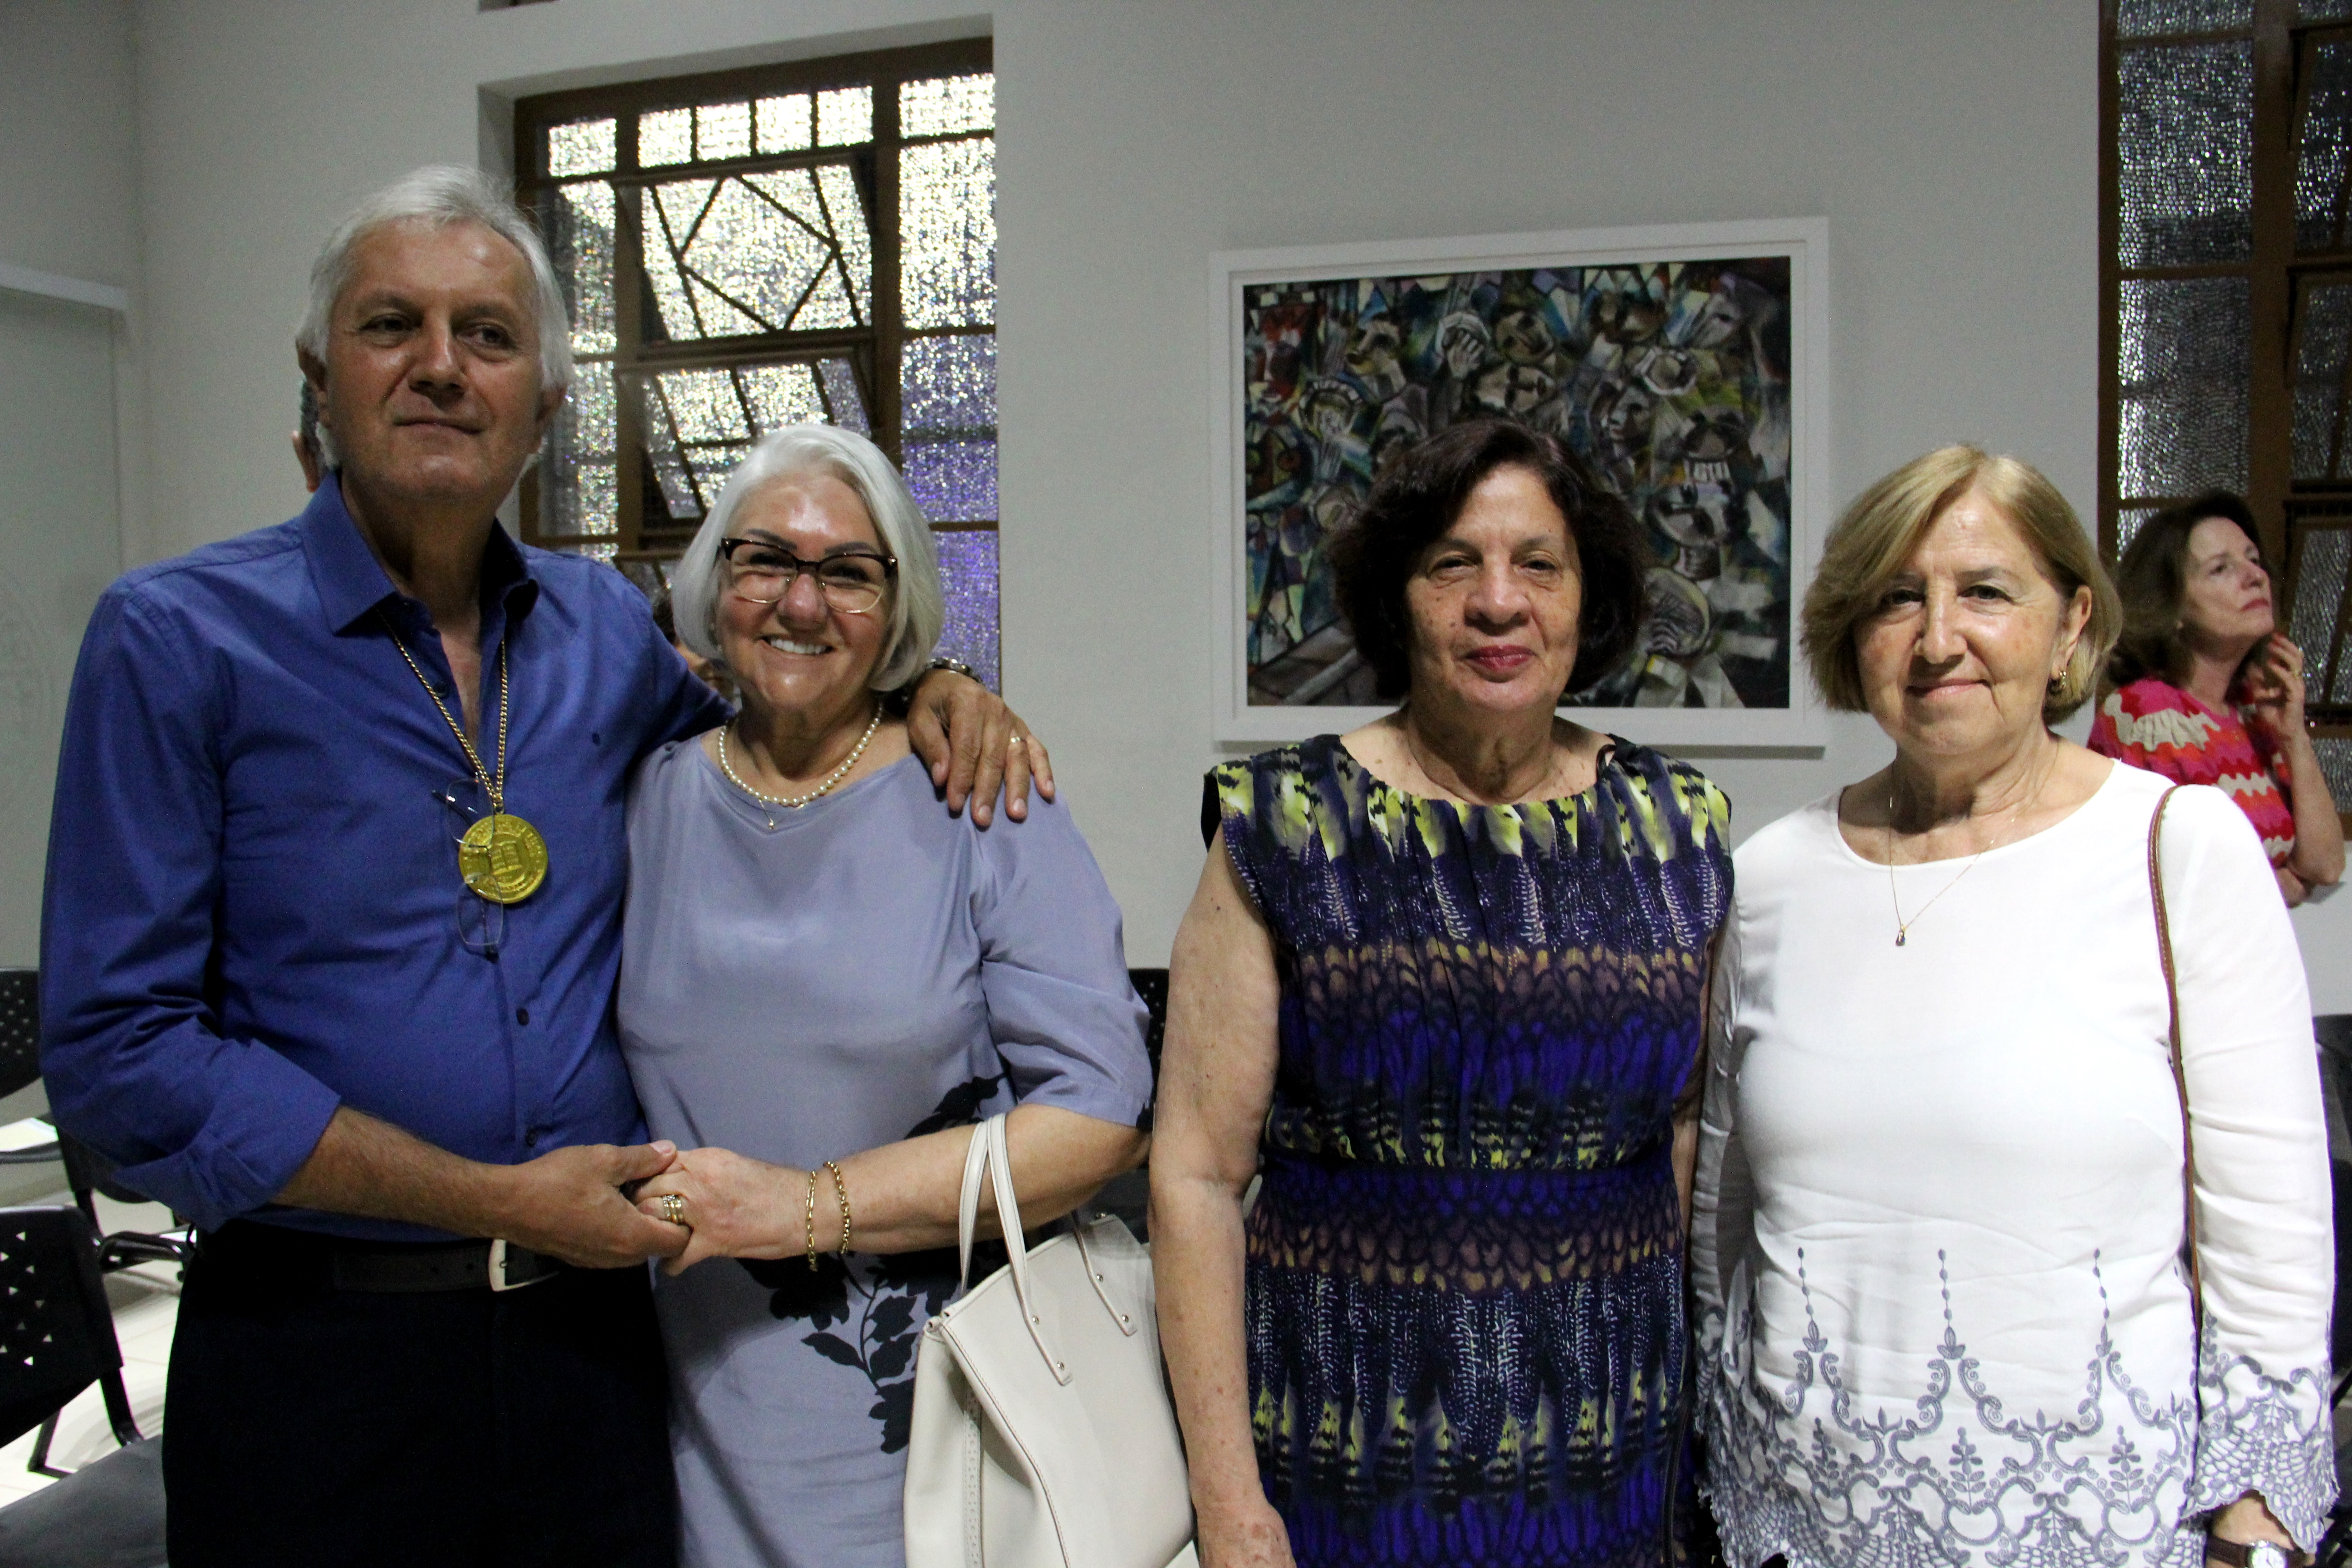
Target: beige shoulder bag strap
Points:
(2179, 1072)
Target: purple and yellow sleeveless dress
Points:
(1464, 1299)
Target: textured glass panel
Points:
(847, 213)
(2324, 142)
(782, 394)
(841, 393)
(722, 130)
(712, 465)
(2185, 155)
(2139, 18)
(2327, 10)
(581, 148)
(968, 577)
(948, 385)
(2335, 766)
(2128, 522)
(947, 105)
(580, 232)
(2326, 336)
(952, 480)
(947, 228)
(845, 116)
(704, 404)
(665, 136)
(583, 495)
(599, 552)
(2322, 558)
(784, 124)
(761, 259)
(828, 304)
(671, 212)
(794, 191)
(2181, 373)
(664, 457)
(721, 316)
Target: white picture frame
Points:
(1799, 724)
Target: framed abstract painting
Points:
(1688, 365)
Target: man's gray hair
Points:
(441, 194)
(918, 609)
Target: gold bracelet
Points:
(841, 1189)
(811, 1221)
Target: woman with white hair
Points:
(825, 981)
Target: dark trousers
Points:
(310, 1426)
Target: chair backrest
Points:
(20, 1028)
(1152, 984)
(57, 1333)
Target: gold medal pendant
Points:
(502, 857)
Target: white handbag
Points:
(1042, 1434)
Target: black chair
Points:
(57, 1331)
(1129, 1195)
(87, 1170)
(20, 1051)
(57, 1338)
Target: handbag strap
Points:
(975, 1161)
(2179, 1070)
(990, 1152)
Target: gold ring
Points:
(673, 1208)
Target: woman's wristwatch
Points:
(2252, 1553)
(897, 702)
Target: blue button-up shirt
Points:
(253, 912)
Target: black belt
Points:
(388, 1267)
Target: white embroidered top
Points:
(1942, 1314)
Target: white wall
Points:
(67, 183)
(1952, 148)
(68, 208)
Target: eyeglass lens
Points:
(764, 575)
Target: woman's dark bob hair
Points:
(1417, 498)
(2153, 576)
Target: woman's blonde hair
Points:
(1878, 532)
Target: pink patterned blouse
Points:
(2155, 725)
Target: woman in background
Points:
(1441, 984)
(2207, 690)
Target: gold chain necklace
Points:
(501, 857)
(1902, 926)
(796, 801)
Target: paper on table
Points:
(29, 1133)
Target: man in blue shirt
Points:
(330, 934)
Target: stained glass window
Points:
(753, 249)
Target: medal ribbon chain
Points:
(496, 789)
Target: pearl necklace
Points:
(797, 801)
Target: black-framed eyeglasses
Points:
(481, 923)
(852, 581)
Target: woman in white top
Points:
(1937, 1243)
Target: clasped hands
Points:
(599, 1205)
(731, 1205)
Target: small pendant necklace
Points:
(1902, 926)
(796, 801)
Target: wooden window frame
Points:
(874, 351)
(2286, 512)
